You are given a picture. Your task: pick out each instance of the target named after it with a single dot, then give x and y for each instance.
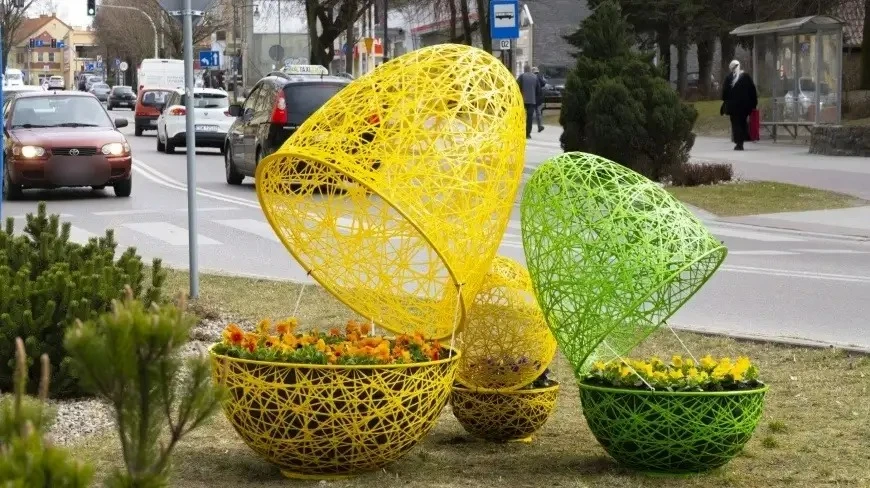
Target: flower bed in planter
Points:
(697, 419)
(503, 416)
(348, 404)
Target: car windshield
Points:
(14, 76)
(121, 89)
(101, 86)
(58, 111)
(155, 97)
(207, 100)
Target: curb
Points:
(785, 341)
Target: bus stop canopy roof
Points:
(813, 23)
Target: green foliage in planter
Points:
(26, 460)
(616, 103)
(133, 358)
(49, 282)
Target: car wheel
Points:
(124, 187)
(98, 187)
(233, 175)
(161, 147)
(170, 148)
(109, 106)
(138, 131)
(11, 191)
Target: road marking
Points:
(210, 209)
(79, 235)
(832, 251)
(168, 233)
(163, 180)
(762, 253)
(125, 212)
(796, 274)
(251, 226)
(750, 235)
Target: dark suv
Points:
(273, 110)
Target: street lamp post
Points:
(153, 25)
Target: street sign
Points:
(60, 44)
(504, 44)
(504, 19)
(99, 59)
(369, 42)
(89, 66)
(117, 62)
(123, 66)
(175, 8)
(209, 59)
(46, 67)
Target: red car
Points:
(63, 139)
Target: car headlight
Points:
(116, 149)
(28, 151)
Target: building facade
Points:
(40, 60)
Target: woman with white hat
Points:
(739, 99)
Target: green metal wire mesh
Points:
(672, 432)
(611, 254)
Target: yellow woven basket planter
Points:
(396, 193)
(503, 416)
(330, 421)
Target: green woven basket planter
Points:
(611, 254)
(671, 432)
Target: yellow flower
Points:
(707, 362)
(677, 361)
(676, 374)
(624, 371)
(599, 365)
(738, 371)
(264, 327)
(689, 362)
(692, 373)
(660, 376)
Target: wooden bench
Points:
(791, 127)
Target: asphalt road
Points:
(773, 283)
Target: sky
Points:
(73, 12)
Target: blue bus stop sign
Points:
(504, 19)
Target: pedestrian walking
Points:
(539, 96)
(528, 82)
(739, 99)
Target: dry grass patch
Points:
(815, 431)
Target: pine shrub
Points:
(48, 282)
(26, 459)
(616, 103)
(132, 357)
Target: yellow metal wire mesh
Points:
(397, 192)
(503, 416)
(506, 343)
(319, 421)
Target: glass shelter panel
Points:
(785, 105)
(829, 77)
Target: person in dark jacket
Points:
(739, 99)
(528, 82)
(539, 98)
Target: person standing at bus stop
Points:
(529, 87)
(739, 99)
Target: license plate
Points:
(206, 128)
(153, 122)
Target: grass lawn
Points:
(709, 122)
(761, 197)
(815, 430)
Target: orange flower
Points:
(264, 326)
(286, 326)
(321, 345)
(334, 332)
(418, 339)
(289, 341)
(405, 356)
(273, 341)
(250, 342)
(403, 341)
(366, 329)
(233, 334)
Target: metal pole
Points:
(2, 121)
(386, 42)
(281, 46)
(191, 150)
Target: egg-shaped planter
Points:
(671, 432)
(612, 255)
(506, 415)
(506, 343)
(396, 193)
(328, 421)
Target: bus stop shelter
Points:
(798, 69)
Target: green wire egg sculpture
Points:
(611, 254)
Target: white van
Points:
(13, 77)
(161, 73)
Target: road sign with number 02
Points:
(504, 44)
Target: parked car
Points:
(212, 119)
(93, 80)
(121, 96)
(555, 78)
(64, 139)
(800, 107)
(101, 91)
(56, 83)
(11, 92)
(148, 104)
(273, 110)
(13, 77)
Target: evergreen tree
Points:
(616, 103)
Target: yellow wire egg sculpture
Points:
(506, 343)
(395, 194)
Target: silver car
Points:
(101, 91)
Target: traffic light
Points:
(54, 43)
(32, 43)
(92, 7)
